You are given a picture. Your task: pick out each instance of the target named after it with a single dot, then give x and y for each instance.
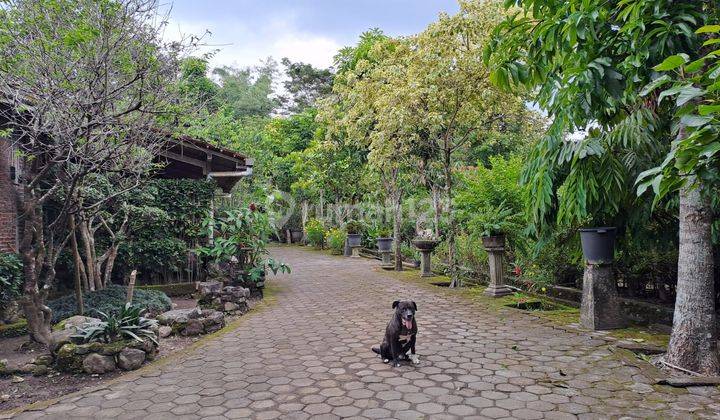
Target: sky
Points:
(311, 31)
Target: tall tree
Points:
(248, 92)
(451, 99)
(305, 84)
(589, 61)
(84, 84)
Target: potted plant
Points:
(598, 244)
(354, 231)
(240, 240)
(493, 223)
(384, 239)
(294, 225)
(425, 242)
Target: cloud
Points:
(236, 44)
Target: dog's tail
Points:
(376, 349)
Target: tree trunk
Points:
(693, 342)
(304, 217)
(110, 263)
(37, 314)
(88, 245)
(77, 262)
(397, 227)
(436, 209)
(450, 234)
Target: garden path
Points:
(308, 355)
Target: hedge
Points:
(108, 300)
(173, 289)
(13, 330)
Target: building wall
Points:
(8, 215)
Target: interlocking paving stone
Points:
(308, 356)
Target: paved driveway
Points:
(308, 356)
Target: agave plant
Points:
(128, 323)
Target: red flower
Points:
(252, 207)
(517, 271)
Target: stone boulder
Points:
(97, 363)
(164, 331)
(77, 321)
(191, 322)
(229, 299)
(178, 316)
(130, 359)
(96, 357)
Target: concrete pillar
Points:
(497, 287)
(600, 306)
(387, 262)
(425, 269)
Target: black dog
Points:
(400, 334)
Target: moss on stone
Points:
(67, 360)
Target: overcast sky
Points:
(311, 31)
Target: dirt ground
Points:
(16, 391)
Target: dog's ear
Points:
(414, 305)
(395, 304)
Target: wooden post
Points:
(131, 286)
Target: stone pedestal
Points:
(497, 287)
(387, 262)
(347, 251)
(355, 252)
(600, 306)
(425, 269)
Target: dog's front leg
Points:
(415, 359)
(395, 352)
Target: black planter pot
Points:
(598, 244)
(296, 236)
(354, 239)
(384, 244)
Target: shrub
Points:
(315, 232)
(10, 278)
(109, 300)
(126, 323)
(172, 289)
(336, 240)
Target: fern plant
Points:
(128, 323)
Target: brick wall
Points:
(8, 216)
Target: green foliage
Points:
(245, 229)
(126, 323)
(242, 234)
(490, 200)
(173, 289)
(306, 84)
(11, 278)
(492, 221)
(108, 301)
(587, 61)
(354, 227)
(694, 84)
(16, 329)
(315, 232)
(336, 240)
(248, 91)
(165, 225)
